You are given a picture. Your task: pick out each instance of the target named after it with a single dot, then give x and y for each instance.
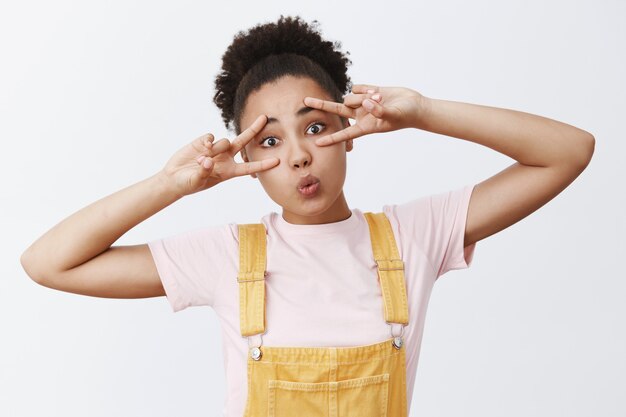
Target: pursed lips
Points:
(307, 180)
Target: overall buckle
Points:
(255, 350)
(397, 341)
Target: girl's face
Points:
(289, 135)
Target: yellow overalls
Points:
(356, 381)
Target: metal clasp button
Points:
(398, 342)
(255, 353)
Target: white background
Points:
(97, 95)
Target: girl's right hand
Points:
(203, 164)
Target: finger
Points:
(374, 108)
(362, 88)
(355, 100)
(329, 106)
(220, 146)
(348, 133)
(247, 135)
(205, 162)
(247, 168)
(201, 143)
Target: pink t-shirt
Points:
(322, 286)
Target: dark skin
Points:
(77, 255)
(549, 154)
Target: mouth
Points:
(309, 185)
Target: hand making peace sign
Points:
(375, 109)
(203, 163)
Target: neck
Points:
(338, 211)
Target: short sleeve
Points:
(190, 265)
(437, 224)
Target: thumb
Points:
(374, 108)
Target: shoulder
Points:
(431, 207)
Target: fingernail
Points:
(370, 91)
(368, 104)
(206, 163)
(376, 97)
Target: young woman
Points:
(322, 306)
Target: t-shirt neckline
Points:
(339, 227)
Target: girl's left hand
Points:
(374, 109)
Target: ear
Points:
(244, 156)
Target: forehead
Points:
(281, 99)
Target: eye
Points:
(315, 127)
(269, 139)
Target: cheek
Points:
(336, 152)
(333, 160)
(273, 178)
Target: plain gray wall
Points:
(98, 95)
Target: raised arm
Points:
(549, 154)
(76, 255)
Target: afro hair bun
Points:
(288, 35)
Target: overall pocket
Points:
(360, 397)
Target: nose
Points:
(300, 157)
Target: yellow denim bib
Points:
(359, 381)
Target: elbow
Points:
(590, 148)
(29, 265)
(585, 149)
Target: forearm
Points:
(529, 139)
(93, 229)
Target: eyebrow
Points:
(299, 113)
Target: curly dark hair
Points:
(269, 51)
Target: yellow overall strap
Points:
(390, 268)
(251, 278)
